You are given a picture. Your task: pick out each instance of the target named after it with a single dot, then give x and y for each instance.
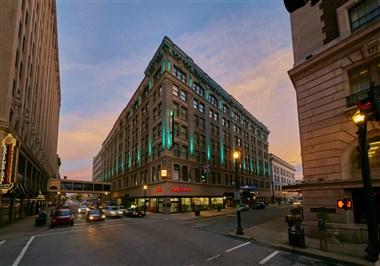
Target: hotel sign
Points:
(7, 159)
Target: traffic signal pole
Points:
(373, 247)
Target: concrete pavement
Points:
(273, 233)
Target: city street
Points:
(154, 240)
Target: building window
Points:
(183, 113)
(213, 100)
(225, 109)
(195, 104)
(364, 13)
(210, 113)
(198, 89)
(185, 173)
(175, 90)
(184, 152)
(216, 116)
(176, 150)
(179, 74)
(176, 170)
(183, 95)
(360, 79)
(201, 107)
(176, 109)
(183, 132)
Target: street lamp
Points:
(59, 199)
(373, 247)
(145, 188)
(236, 156)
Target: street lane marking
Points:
(22, 253)
(214, 257)
(264, 260)
(2, 242)
(242, 245)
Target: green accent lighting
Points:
(191, 81)
(191, 144)
(163, 134)
(208, 151)
(169, 65)
(150, 145)
(162, 66)
(221, 152)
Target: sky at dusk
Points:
(105, 46)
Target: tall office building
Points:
(177, 135)
(336, 47)
(29, 105)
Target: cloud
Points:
(80, 139)
(253, 69)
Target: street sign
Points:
(237, 195)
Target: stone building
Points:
(176, 136)
(30, 101)
(282, 174)
(336, 46)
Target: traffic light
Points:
(345, 204)
(368, 103)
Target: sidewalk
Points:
(275, 233)
(187, 216)
(22, 227)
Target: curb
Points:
(311, 252)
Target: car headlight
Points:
(91, 217)
(103, 216)
(78, 210)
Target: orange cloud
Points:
(80, 139)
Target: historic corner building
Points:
(336, 46)
(29, 105)
(282, 174)
(177, 135)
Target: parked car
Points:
(95, 215)
(121, 209)
(83, 209)
(258, 205)
(112, 211)
(244, 207)
(133, 212)
(62, 216)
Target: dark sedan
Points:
(258, 205)
(94, 216)
(133, 212)
(61, 217)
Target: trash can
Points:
(296, 238)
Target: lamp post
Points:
(145, 188)
(373, 247)
(59, 199)
(236, 156)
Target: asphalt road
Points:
(153, 240)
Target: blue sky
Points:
(105, 47)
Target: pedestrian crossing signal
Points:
(345, 204)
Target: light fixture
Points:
(358, 118)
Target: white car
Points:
(83, 209)
(112, 211)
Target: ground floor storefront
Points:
(174, 197)
(15, 208)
